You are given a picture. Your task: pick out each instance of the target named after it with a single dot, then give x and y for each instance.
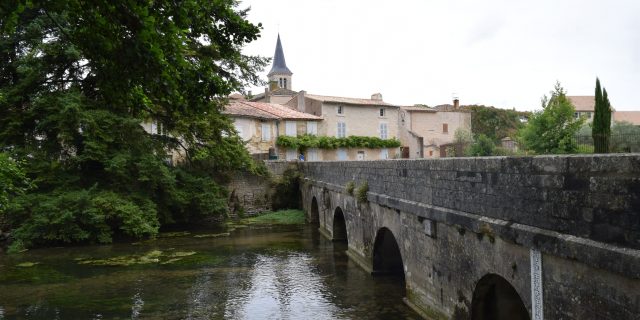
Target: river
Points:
(276, 272)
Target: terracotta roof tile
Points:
(264, 110)
(628, 116)
(238, 108)
(351, 101)
(583, 103)
(418, 108)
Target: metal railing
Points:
(615, 143)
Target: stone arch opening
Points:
(495, 299)
(315, 212)
(339, 226)
(387, 259)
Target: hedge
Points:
(310, 141)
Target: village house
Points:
(343, 117)
(585, 107)
(259, 124)
(428, 132)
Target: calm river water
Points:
(283, 272)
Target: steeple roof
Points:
(279, 65)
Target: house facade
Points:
(426, 132)
(260, 124)
(343, 117)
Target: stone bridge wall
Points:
(457, 220)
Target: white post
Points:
(537, 312)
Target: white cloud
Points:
(503, 53)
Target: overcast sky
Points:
(505, 53)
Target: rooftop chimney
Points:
(301, 106)
(267, 95)
(456, 102)
(376, 96)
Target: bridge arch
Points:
(314, 217)
(495, 298)
(387, 258)
(339, 230)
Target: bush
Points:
(361, 193)
(80, 216)
(351, 185)
(483, 146)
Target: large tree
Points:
(552, 129)
(601, 120)
(77, 79)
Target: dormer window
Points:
(340, 110)
(382, 112)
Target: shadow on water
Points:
(263, 273)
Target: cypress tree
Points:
(601, 120)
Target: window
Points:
(383, 130)
(384, 154)
(445, 128)
(360, 155)
(158, 128)
(290, 128)
(312, 127)
(342, 130)
(430, 153)
(284, 81)
(340, 109)
(292, 154)
(266, 132)
(280, 82)
(382, 112)
(312, 154)
(342, 154)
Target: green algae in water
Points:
(286, 217)
(181, 254)
(27, 264)
(213, 235)
(151, 257)
(174, 234)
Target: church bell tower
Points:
(279, 75)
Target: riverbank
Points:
(280, 217)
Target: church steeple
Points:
(279, 72)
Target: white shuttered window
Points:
(290, 129)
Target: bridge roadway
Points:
(549, 237)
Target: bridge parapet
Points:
(595, 197)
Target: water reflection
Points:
(282, 288)
(277, 273)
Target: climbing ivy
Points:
(310, 141)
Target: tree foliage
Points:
(13, 181)
(78, 78)
(601, 120)
(552, 129)
(493, 122)
(482, 146)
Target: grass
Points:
(290, 216)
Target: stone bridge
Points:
(551, 237)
